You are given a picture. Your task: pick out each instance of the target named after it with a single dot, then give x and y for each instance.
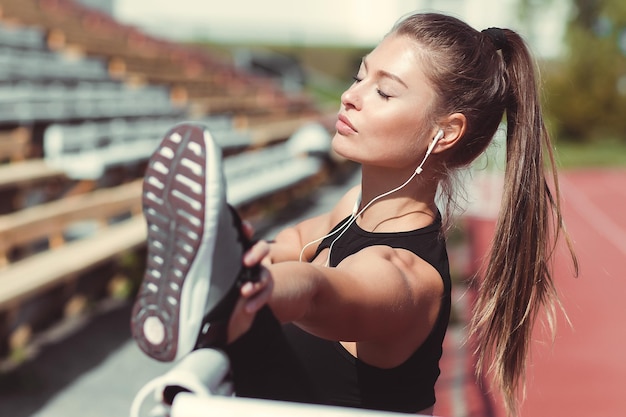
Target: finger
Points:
(254, 297)
(260, 298)
(256, 253)
(250, 289)
(256, 294)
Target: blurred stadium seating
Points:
(84, 100)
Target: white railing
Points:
(189, 405)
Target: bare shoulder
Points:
(425, 281)
(409, 301)
(318, 226)
(291, 241)
(418, 275)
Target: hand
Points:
(259, 253)
(253, 295)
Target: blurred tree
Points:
(586, 90)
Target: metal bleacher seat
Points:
(21, 37)
(37, 84)
(45, 66)
(24, 56)
(27, 101)
(86, 150)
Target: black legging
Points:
(265, 366)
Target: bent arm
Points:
(376, 294)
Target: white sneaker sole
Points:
(183, 202)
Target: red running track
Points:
(583, 372)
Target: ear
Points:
(453, 127)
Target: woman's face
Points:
(384, 113)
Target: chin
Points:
(342, 146)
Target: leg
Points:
(195, 246)
(264, 364)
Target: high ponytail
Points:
(517, 282)
(485, 76)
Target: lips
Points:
(344, 126)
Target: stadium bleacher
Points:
(84, 100)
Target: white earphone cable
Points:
(354, 216)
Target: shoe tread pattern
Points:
(173, 190)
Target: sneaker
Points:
(195, 247)
(203, 372)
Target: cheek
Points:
(404, 144)
(402, 121)
(401, 134)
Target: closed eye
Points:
(383, 95)
(378, 90)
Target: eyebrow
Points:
(386, 74)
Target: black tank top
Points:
(340, 378)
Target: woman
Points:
(432, 73)
(368, 307)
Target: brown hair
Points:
(484, 82)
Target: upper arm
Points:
(374, 295)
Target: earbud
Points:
(436, 139)
(430, 148)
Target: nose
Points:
(351, 98)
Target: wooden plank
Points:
(20, 174)
(276, 130)
(15, 144)
(39, 272)
(51, 219)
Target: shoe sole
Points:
(182, 199)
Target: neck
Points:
(408, 208)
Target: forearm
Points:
(296, 286)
